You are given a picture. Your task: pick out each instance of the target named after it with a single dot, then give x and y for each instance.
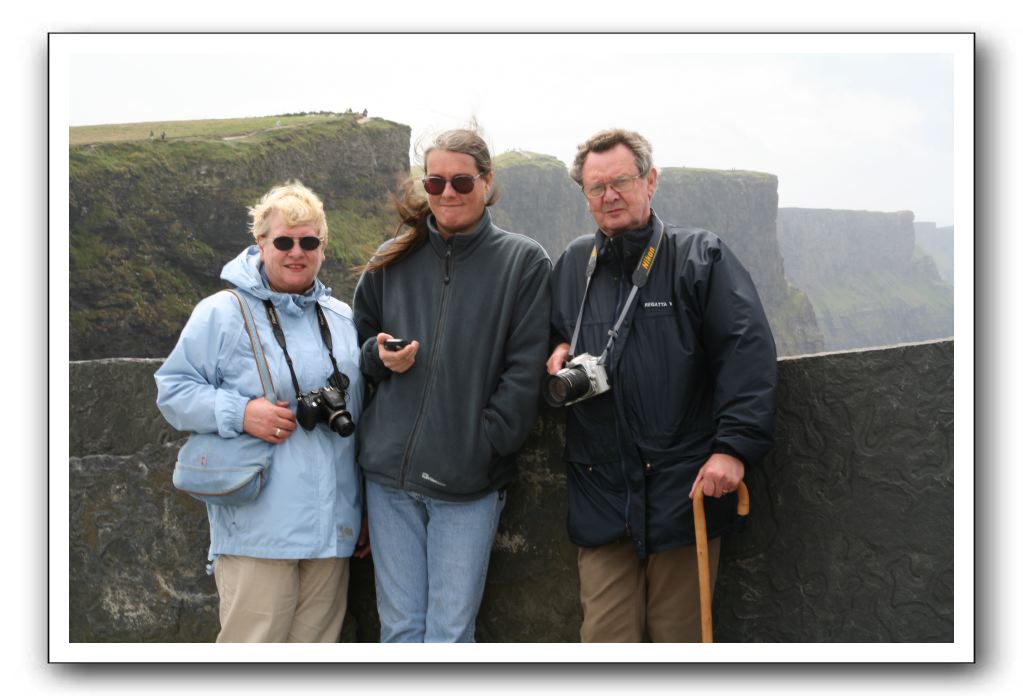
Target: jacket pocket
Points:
(488, 439)
(596, 505)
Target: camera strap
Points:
(275, 324)
(640, 276)
(265, 379)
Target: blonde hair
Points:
(296, 204)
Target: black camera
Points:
(327, 404)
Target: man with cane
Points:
(664, 356)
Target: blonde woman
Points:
(280, 562)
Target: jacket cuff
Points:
(372, 366)
(723, 448)
(230, 412)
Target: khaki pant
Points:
(628, 600)
(266, 600)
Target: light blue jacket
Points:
(311, 505)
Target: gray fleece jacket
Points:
(479, 305)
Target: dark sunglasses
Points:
(461, 183)
(285, 243)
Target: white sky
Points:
(845, 121)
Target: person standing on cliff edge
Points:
(685, 367)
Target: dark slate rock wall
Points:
(849, 537)
(850, 534)
(138, 548)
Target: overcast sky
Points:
(853, 129)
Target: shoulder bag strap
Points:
(257, 348)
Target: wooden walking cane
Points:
(703, 561)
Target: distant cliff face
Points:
(938, 243)
(868, 283)
(741, 208)
(153, 222)
(539, 199)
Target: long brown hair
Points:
(413, 209)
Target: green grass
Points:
(680, 173)
(202, 152)
(239, 128)
(518, 158)
(357, 227)
(848, 297)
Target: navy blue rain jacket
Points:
(693, 372)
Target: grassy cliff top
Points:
(695, 171)
(518, 158)
(219, 128)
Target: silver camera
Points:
(580, 378)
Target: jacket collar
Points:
(625, 248)
(246, 273)
(462, 243)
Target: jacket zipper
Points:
(434, 357)
(621, 456)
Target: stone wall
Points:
(849, 537)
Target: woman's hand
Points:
(397, 360)
(271, 422)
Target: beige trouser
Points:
(628, 600)
(266, 600)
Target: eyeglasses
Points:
(285, 243)
(622, 184)
(461, 183)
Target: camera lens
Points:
(341, 423)
(568, 385)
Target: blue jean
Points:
(430, 557)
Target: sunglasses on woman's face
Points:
(285, 243)
(461, 183)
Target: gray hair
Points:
(608, 139)
(465, 141)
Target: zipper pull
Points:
(447, 265)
